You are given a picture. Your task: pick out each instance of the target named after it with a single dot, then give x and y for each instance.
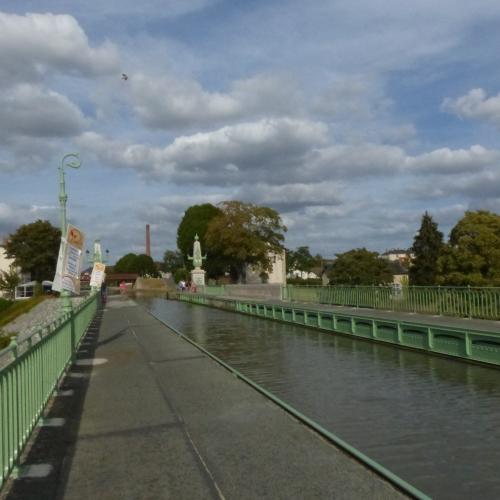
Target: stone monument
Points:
(197, 274)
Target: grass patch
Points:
(18, 308)
(5, 304)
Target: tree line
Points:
(234, 234)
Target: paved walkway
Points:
(156, 419)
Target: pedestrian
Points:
(104, 292)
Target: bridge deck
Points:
(159, 419)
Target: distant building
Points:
(277, 275)
(7, 264)
(304, 275)
(396, 254)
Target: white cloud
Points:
(476, 105)
(479, 187)
(270, 149)
(290, 197)
(29, 110)
(31, 45)
(344, 161)
(445, 160)
(171, 103)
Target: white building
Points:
(277, 275)
(305, 275)
(6, 264)
(398, 255)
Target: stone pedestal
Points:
(198, 277)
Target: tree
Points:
(195, 222)
(126, 264)
(9, 281)
(145, 266)
(472, 255)
(141, 264)
(360, 267)
(245, 234)
(34, 248)
(172, 260)
(427, 247)
(302, 260)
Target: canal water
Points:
(435, 422)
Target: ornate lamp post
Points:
(71, 160)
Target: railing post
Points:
(16, 420)
(73, 335)
(469, 301)
(440, 308)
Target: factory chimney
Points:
(148, 241)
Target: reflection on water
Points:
(432, 421)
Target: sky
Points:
(349, 117)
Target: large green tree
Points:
(427, 247)
(146, 266)
(360, 267)
(195, 222)
(472, 255)
(34, 248)
(132, 263)
(126, 264)
(244, 233)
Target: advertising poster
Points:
(69, 261)
(98, 272)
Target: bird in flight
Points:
(124, 76)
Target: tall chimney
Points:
(148, 241)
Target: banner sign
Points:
(97, 276)
(69, 260)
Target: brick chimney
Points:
(148, 241)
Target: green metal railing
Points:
(213, 289)
(464, 302)
(467, 343)
(29, 374)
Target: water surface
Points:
(435, 422)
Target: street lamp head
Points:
(71, 160)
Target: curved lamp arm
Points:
(71, 160)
